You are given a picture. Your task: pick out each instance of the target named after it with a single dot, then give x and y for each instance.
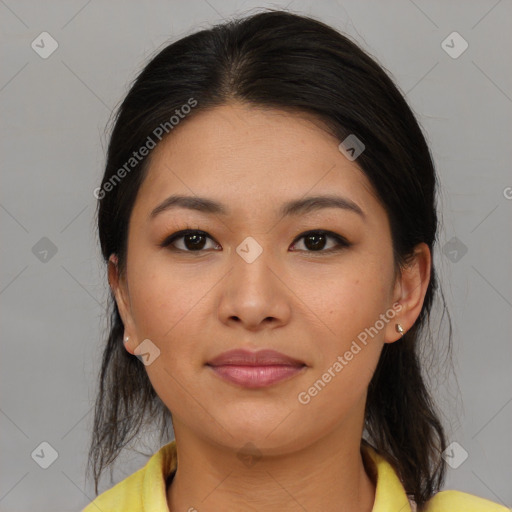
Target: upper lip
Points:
(240, 357)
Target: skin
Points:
(307, 304)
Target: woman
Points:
(268, 215)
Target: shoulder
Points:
(143, 490)
(457, 501)
(125, 495)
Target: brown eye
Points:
(188, 241)
(316, 241)
(194, 242)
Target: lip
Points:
(255, 369)
(242, 357)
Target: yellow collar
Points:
(389, 492)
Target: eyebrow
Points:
(291, 208)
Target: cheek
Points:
(348, 349)
(162, 299)
(352, 332)
(351, 301)
(167, 307)
(171, 306)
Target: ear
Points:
(119, 288)
(409, 292)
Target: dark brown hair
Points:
(288, 62)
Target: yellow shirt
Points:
(145, 490)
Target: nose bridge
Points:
(253, 291)
(252, 263)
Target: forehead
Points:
(251, 157)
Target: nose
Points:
(254, 295)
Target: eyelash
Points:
(342, 243)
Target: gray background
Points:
(54, 112)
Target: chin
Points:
(273, 432)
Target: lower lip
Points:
(256, 376)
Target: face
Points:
(316, 284)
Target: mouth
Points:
(255, 369)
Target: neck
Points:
(328, 475)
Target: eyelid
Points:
(330, 234)
(341, 242)
(168, 240)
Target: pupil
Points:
(315, 244)
(312, 241)
(196, 241)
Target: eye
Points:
(315, 241)
(195, 240)
(190, 240)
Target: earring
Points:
(399, 330)
(126, 339)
